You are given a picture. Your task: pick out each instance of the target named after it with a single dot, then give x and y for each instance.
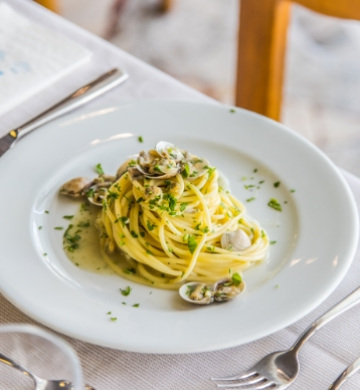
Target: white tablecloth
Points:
(323, 357)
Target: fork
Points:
(41, 384)
(279, 369)
(346, 374)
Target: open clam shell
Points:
(200, 293)
(225, 290)
(197, 293)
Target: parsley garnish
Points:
(126, 291)
(112, 195)
(186, 171)
(191, 243)
(124, 220)
(130, 271)
(236, 279)
(151, 226)
(183, 206)
(98, 169)
(274, 203)
(71, 241)
(134, 234)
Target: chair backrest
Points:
(262, 45)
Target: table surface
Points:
(323, 357)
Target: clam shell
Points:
(184, 293)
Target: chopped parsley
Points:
(150, 226)
(210, 170)
(185, 171)
(71, 240)
(183, 206)
(111, 195)
(274, 203)
(123, 220)
(191, 243)
(236, 279)
(83, 224)
(171, 200)
(140, 139)
(98, 169)
(130, 271)
(125, 291)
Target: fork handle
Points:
(11, 363)
(346, 374)
(347, 303)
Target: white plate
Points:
(315, 234)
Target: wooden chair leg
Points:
(116, 10)
(52, 5)
(166, 5)
(261, 52)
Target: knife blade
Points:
(76, 99)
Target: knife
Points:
(76, 99)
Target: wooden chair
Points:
(262, 45)
(50, 4)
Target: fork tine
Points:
(246, 374)
(247, 385)
(248, 381)
(263, 386)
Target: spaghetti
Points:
(173, 222)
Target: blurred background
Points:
(195, 42)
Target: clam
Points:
(226, 290)
(123, 168)
(195, 167)
(223, 290)
(75, 188)
(236, 240)
(159, 169)
(197, 293)
(166, 161)
(94, 191)
(163, 162)
(166, 149)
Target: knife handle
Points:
(81, 96)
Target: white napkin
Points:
(32, 57)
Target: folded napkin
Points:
(32, 57)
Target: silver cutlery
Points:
(346, 374)
(279, 369)
(76, 99)
(41, 384)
